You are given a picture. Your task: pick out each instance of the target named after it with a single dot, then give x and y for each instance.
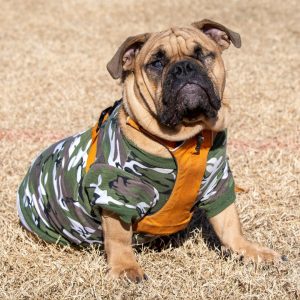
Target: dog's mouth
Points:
(193, 101)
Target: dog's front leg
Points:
(117, 243)
(228, 229)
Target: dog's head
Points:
(174, 80)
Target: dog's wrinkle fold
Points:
(174, 45)
(182, 45)
(147, 85)
(186, 44)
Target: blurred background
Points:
(53, 83)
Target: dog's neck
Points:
(139, 138)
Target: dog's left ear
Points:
(123, 60)
(219, 33)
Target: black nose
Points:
(183, 68)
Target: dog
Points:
(150, 160)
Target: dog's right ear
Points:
(222, 35)
(123, 60)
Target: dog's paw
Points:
(254, 252)
(132, 273)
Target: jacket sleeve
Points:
(118, 191)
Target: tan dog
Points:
(150, 159)
(174, 84)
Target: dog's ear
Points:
(219, 33)
(123, 60)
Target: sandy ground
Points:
(53, 82)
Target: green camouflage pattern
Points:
(61, 202)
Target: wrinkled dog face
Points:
(184, 72)
(177, 74)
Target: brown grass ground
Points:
(53, 82)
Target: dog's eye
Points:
(198, 53)
(157, 64)
(204, 58)
(209, 58)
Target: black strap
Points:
(108, 111)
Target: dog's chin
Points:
(192, 106)
(200, 119)
(192, 121)
(190, 96)
(178, 120)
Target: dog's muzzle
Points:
(188, 93)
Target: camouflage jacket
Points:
(61, 202)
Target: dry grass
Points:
(53, 82)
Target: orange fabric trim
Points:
(176, 213)
(93, 149)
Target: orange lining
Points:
(93, 150)
(176, 213)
